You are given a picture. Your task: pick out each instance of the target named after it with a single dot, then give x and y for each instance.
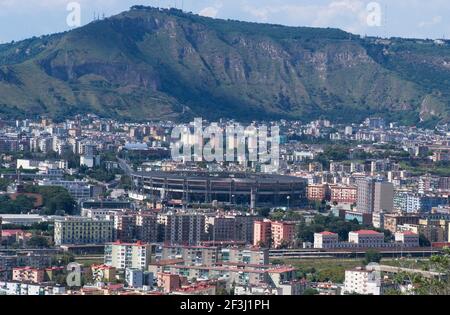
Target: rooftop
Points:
(408, 233)
(367, 232)
(327, 233)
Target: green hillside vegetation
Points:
(147, 64)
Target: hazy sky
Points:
(21, 19)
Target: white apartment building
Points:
(42, 166)
(128, 255)
(17, 288)
(360, 281)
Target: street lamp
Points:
(288, 199)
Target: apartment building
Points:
(124, 226)
(393, 220)
(221, 228)
(374, 195)
(245, 255)
(191, 255)
(147, 227)
(284, 234)
(318, 192)
(79, 231)
(128, 255)
(435, 231)
(28, 275)
(361, 281)
(275, 234)
(210, 256)
(417, 203)
(325, 240)
(343, 194)
(182, 228)
(262, 233)
(237, 275)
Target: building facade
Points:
(128, 255)
(78, 231)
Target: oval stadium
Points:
(254, 190)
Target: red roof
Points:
(327, 233)
(115, 287)
(367, 232)
(11, 232)
(440, 245)
(28, 268)
(408, 233)
(102, 267)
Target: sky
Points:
(20, 19)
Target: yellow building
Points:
(78, 230)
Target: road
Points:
(124, 166)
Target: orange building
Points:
(171, 282)
(318, 192)
(28, 274)
(262, 233)
(344, 194)
(283, 233)
(272, 233)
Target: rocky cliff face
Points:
(152, 64)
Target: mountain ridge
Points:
(149, 63)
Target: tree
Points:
(4, 183)
(372, 256)
(126, 182)
(423, 241)
(22, 204)
(55, 199)
(277, 216)
(310, 291)
(435, 285)
(38, 242)
(264, 212)
(284, 244)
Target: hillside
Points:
(148, 63)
